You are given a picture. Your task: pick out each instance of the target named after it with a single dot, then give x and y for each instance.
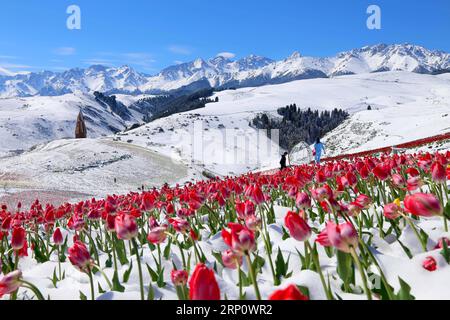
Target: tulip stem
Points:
(319, 270)
(33, 288)
(138, 258)
(91, 281)
(240, 280)
(361, 272)
(59, 261)
(252, 275)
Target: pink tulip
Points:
(423, 204)
(343, 237)
(10, 283)
(231, 259)
(126, 227)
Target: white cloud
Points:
(180, 49)
(65, 51)
(226, 55)
(178, 62)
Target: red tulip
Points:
(362, 201)
(429, 264)
(240, 238)
(381, 171)
(203, 284)
(322, 238)
(18, 238)
(126, 227)
(290, 293)
(57, 237)
(110, 223)
(257, 195)
(298, 228)
(438, 172)
(79, 256)
(10, 283)
(180, 225)
(179, 277)
(343, 237)
(423, 204)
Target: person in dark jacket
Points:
(283, 161)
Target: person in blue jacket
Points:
(318, 148)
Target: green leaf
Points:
(151, 293)
(345, 268)
(447, 210)
(38, 255)
(167, 249)
(445, 251)
(152, 273)
(108, 263)
(405, 291)
(121, 251)
(304, 290)
(406, 249)
(116, 283)
(285, 234)
(218, 257)
(82, 296)
(281, 267)
(100, 289)
(127, 273)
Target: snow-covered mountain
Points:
(222, 72)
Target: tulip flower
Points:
(398, 181)
(180, 225)
(253, 222)
(240, 238)
(343, 237)
(126, 227)
(203, 284)
(10, 283)
(392, 211)
(231, 259)
(302, 200)
(289, 293)
(18, 238)
(429, 264)
(57, 237)
(438, 173)
(362, 201)
(80, 257)
(298, 228)
(423, 204)
(179, 277)
(157, 235)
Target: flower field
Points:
(370, 228)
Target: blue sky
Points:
(150, 35)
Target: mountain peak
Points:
(221, 71)
(294, 56)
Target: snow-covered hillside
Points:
(405, 106)
(222, 72)
(25, 122)
(72, 169)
